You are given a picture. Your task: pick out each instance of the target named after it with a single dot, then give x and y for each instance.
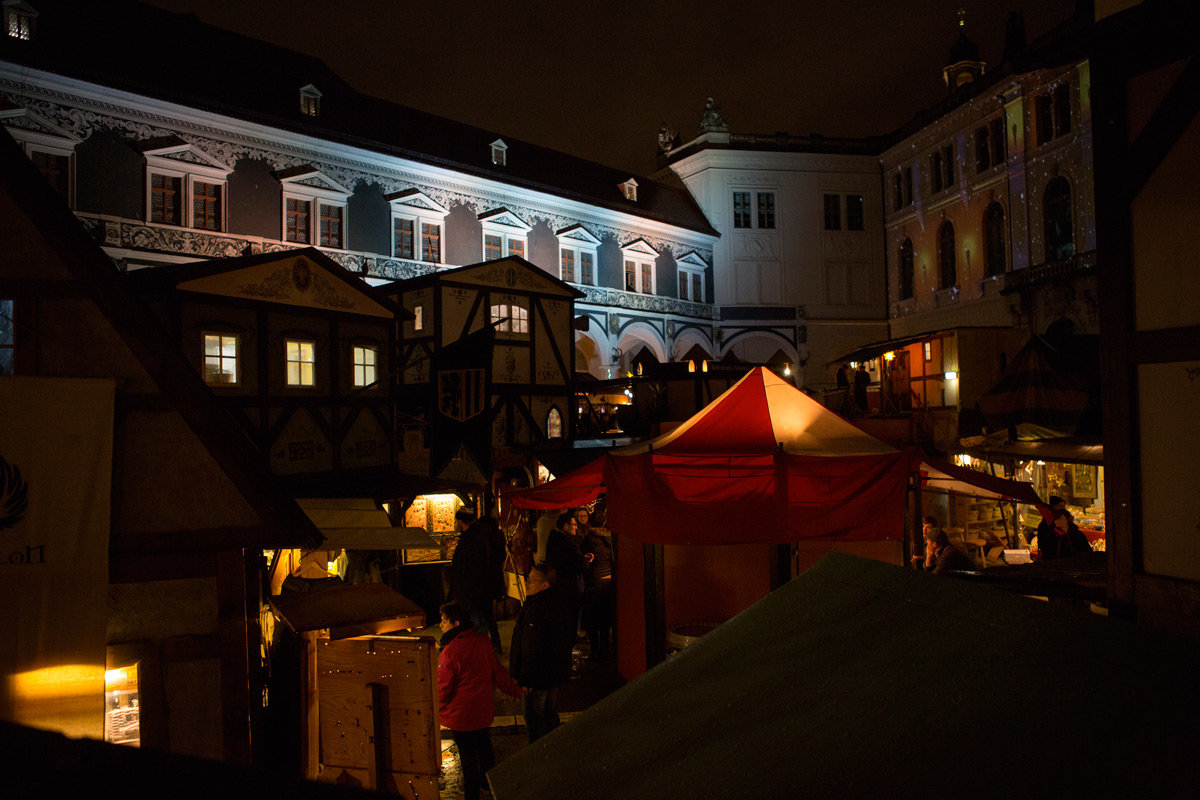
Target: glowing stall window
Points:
(554, 427)
(301, 363)
(418, 318)
(220, 359)
(510, 317)
(122, 709)
(364, 359)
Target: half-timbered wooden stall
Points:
(485, 368)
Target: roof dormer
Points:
(629, 189)
(310, 101)
(20, 20)
(499, 153)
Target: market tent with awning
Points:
(1047, 391)
(940, 475)
(762, 465)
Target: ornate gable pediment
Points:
(505, 218)
(290, 279)
(692, 259)
(168, 149)
(577, 234)
(310, 177)
(511, 275)
(417, 200)
(639, 247)
(19, 118)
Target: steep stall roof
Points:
(862, 679)
(177, 58)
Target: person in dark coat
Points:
(596, 612)
(539, 657)
(564, 557)
(473, 573)
(1060, 537)
(862, 379)
(467, 672)
(942, 557)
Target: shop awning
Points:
(1064, 449)
(869, 351)
(361, 610)
(941, 475)
(358, 524)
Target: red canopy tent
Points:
(763, 464)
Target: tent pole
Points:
(654, 599)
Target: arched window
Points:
(906, 269)
(947, 268)
(1056, 213)
(554, 424)
(993, 240)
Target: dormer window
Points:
(577, 250)
(504, 234)
(499, 153)
(20, 20)
(629, 189)
(417, 223)
(639, 266)
(49, 147)
(691, 277)
(184, 185)
(310, 101)
(314, 207)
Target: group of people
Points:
(573, 581)
(1057, 537)
(854, 388)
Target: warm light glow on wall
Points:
(889, 356)
(68, 698)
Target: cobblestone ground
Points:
(590, 683)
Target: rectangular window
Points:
(833, 212)
(510, 318)
(516, 248)
(220, 359)
(492, 247)
(741, 209)
(697, 288)
(647, 283)
(568, 265)
(999, 151)
(166, 194)
(766, 209)
(301, 363)
(683, 286)
(206, 206)
(983, 149)
(296, 224)
(1062, 110)
(20, 25)
(948, 165)
(897, 191)
(418, 318)
(364, 359)
(1043, 109)
(854, 212)
(402, 238)
(56, 169)
(630, 276)
(431, 243)
(908, 186)
(8, 339)
(585, 269)
(928, 348)
(331, 226)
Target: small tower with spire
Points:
(965, 65)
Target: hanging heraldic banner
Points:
(56, 442)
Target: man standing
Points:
(471, 574)
(540, 655)
(862, 379)
(564, 557)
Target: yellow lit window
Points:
(364, 365)
(220, 359)
(301, 363)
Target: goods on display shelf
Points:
(434, 513)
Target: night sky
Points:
(597, 80)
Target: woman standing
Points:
(468, 670)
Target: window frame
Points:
(360, 367)
(420, 210)
(906, 261)
(159, 162)
(947, 256)
(510, 229)
(642, 257)
(509, 315)
(691, 267)
(554, 414)
(322, 191)
(236, 358)
(288, 361)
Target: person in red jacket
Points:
(467, 672)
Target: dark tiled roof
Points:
(178, 58)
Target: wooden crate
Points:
(378, 718)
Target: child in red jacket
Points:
(467, 672)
